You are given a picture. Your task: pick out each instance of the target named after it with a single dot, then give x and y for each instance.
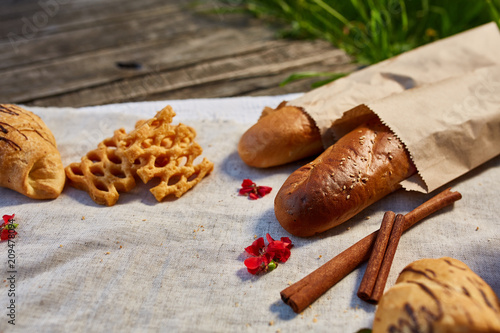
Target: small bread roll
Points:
(280, 136)
(29, 159)
(438, 295)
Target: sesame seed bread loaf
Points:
(29, 160)
(438, 295)
(280, 136)
(362, 167)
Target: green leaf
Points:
(365, 330)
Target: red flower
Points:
(265, 258)
(248, 187)
(7, 226)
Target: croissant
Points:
(29, 160)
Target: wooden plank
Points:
(159, 23)
(281, 58)
(265, 85)
(61, 13)
(97, 68)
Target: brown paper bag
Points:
(449, 127)
(450, 57)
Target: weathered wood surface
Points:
(91, 52)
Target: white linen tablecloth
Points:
(177, 266)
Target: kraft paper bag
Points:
(450, 57)
(448, 127)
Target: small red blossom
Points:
(266, 258)
(7, 228)
(248, 187)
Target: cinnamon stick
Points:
(304, 292)
(397, 231)
(375, 262)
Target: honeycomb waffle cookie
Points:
(103, 172)
(155, 148)
(167, 152)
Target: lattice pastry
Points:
(156, 148)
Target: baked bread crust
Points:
(29, 159)
(362, 167)
(438, 295)
(280, 136)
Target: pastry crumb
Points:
(477, 228)
(271, 323)
(83, 218)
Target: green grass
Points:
(372, 30)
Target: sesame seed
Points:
(389, 138)
(348, 196)
(362, 138)
(351, 187)
(344, 187)
(390, 157)
(343, 158)
(349, 157)
(364, 180)
(355, 164)
(341, 163)
(351, 175)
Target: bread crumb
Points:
(477, 228)
(83, 218)
(271, 323)
(121, 246)
(320, 256)
(290, 283)
(107, 253)
(254, 236)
